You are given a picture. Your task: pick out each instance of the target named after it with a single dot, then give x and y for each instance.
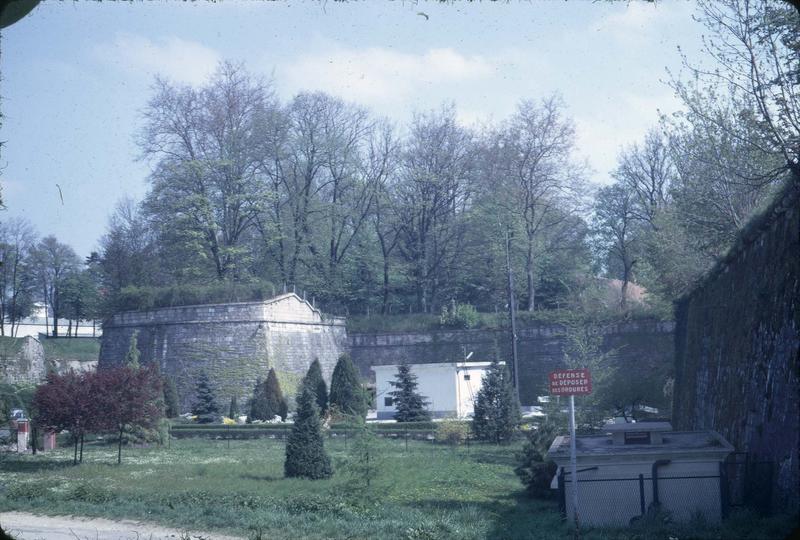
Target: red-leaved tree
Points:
(129, 397)
(66, 402)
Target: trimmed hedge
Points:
(252, 431)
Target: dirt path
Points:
(24, 526)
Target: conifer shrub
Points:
(534, 470)
(171, 406)
(317, 382)
(259, 409)
(305, 449)
(273, 395)
(347, 395)
(233, 409)
(205, 406)
(497, 413)
(410, 406)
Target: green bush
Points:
(452, 432)
(533, 469)
(143, 298)
(459, 316)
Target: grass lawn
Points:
(426, 491)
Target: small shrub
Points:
(90, 493)
(459, 316)
(27, 490)
(533, 470)
(452, 432)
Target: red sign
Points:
(570, 382)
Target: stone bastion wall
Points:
(233, 343)
(638, 347)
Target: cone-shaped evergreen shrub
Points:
(132, 356)
(305, 450)
(318, 386)
(259, 410)
(233, 410)
(497, 413)
(409, 404)
(205, 406)
(171, 406)
(273, 396)
(347, 395)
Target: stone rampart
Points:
(233, 343)
(737, 342)
(638, 347)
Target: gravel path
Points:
(23, 526)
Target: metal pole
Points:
(573, 462)
(511, 308)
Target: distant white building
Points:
(41, 322)
(449, 387)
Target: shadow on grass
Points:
(513, 516)
(15, 466)
(260, 477)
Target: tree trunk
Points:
(81, 456)
(119, 445)
(529, 276)
(75, 453)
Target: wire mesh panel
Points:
(691, 497)
(615, 502)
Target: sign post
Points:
(571, 382)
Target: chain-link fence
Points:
(706, 496)
(620, 501)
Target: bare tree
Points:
(647, 170)
(17, 239)
(205, 182)
(52, 263)
(432, 198)
(755, 45)
(543, 183)
(615, 225)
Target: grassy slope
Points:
(78, 349)
(428, 491)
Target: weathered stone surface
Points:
(737, 345)
(638, 346)
(22, 361)
(234, 343)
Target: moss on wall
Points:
(737, 340)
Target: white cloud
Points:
(174, 58)
(637, 21)
(380, 76)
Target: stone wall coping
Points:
(134, 324)
(151, 316)
(553, 328)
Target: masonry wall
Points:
(639, 347)
(737, 346)
(233, 343)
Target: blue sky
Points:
(76, 76)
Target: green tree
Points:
(497, 413)
(533, 469)
(305, 449)
(205, 406)
(171, 403)
(132, 356)
(273, 395)
(347, 395)
(365, 463)
(314, 379)
(409, 404)
(233, 409)
(259, 408)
